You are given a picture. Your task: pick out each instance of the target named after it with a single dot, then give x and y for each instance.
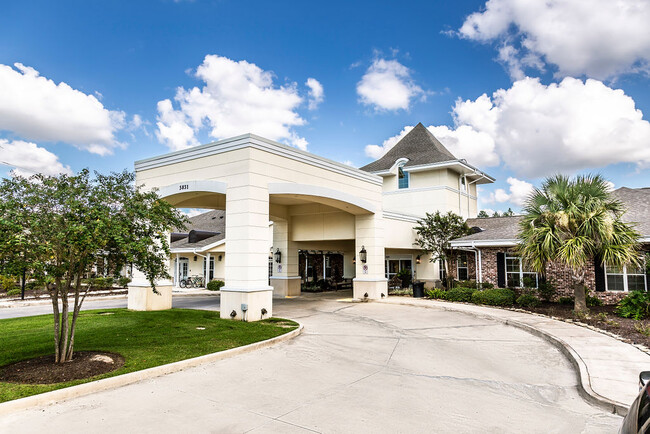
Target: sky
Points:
(521, 89)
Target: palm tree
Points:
(572, 221)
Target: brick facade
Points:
(558, 273)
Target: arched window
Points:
(402, 176)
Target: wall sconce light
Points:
(278, 256)
(219, 258)
(363, 255)
(354, 259)
(418, 260)
(195, 258)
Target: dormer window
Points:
(402, 176)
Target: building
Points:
(488, 255)
(361, 219)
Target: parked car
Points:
(637, 420)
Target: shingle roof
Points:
(213, 221)
(493, 228)
(419, 146)
(636, 200)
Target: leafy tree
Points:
(482, 214)
(496, 214)
(434, 233)
(67, 223)
(571, 221)
(508, 213)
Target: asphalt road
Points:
(362, 367)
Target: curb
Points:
(67, 393)
(582, 371)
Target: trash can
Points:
(418, 289)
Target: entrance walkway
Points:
(358, 367)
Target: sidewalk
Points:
(608, 369)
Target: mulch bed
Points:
(602, 317)
(43, 370)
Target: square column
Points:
(370, 276)
(247, 292)
(285, 279)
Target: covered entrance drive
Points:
(278, 201)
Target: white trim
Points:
(284, 277)
(436, 187)
(484, 243)
(399, 216)
(198, 249)
(260, 289)
(398, 162)
(260, 143)
(317, 191)
(473, 171)
(521, 270)
(369, 279)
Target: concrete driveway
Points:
(358, 367)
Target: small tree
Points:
(434, 233)
(67, 223)
(572, 221)
(496, 214)
(483, 214)
(508, 213)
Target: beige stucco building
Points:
(277, 199)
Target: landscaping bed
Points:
(133, 340)
(602, 317)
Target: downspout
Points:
(207, 266)
(477, 261)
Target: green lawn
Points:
(145, 339)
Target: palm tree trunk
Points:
(580, 297)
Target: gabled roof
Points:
(493, 229)
(211, 221)
(419, 146)
(637, 202)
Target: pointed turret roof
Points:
(419, 146)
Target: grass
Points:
(145, 339)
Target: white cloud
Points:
(316, 93)
(477, 147)
(35, 108)
(387, 85)
(597, 38)
(349, 163)
(517, 193)
(237, 98)
(28, 159)
(563, 127)
(193, 212)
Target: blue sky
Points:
(565, 84)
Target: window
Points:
(461, 267)
(626, 278)
(516, 274)
(211, 270)
(394, 266)
(463, 184)
(442, 274)
(402, 176)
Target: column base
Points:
(255, 300)
(284, 286)
(143, 298)
(375, 288)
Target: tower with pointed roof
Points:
(421, 175)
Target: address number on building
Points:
(184, 187)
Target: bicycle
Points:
(191, 282)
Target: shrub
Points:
(465, 284)
(7, 283)
(14, 291)
(436, 293)
(529, 282)
(528, 300)
(566, 300)
(546, 291)
(30, 286)
(459, 294)
(406, 277)
(123, 281)
(494, 297)
(636, 305)
(593, 301)
(487, 285)
(215, 285)
(324, 284)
